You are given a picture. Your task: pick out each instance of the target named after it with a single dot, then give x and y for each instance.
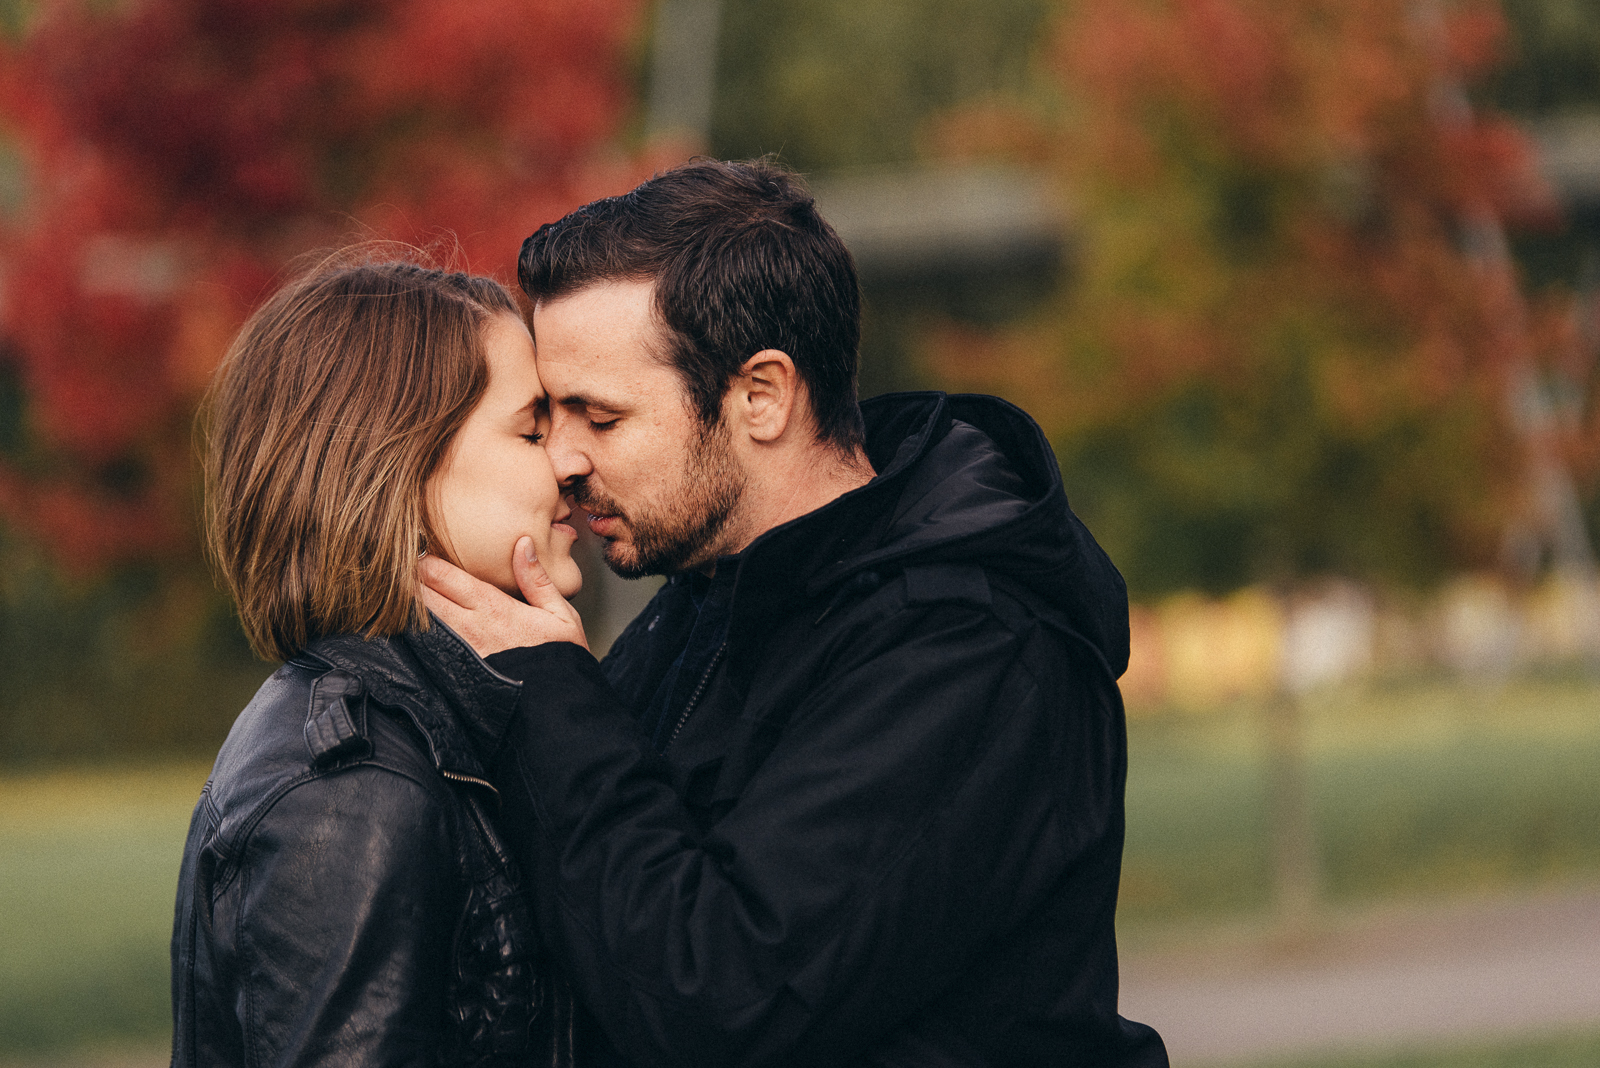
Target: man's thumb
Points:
(535, 585)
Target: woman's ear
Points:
(764, 395)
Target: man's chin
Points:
(624, 561)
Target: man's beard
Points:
(680, 533)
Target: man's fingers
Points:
(489, 619)
(448, 580)
(494, 623)
(542, 594)
(532, 579)
(452, 613)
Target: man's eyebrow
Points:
(579, 400)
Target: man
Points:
(850, 789)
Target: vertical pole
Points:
(683, 70)
(1296, 867)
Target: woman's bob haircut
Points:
(330, 411)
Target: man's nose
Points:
(567, 459)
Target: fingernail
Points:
(527, 552)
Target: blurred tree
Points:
(1280, 354)
(160, 164)
(176, 153)
(1552, 79)
(830, 84)
(1555, 57)
(835, 86)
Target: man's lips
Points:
(604, 524)
(601, 524)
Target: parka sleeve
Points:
(905, 819)
(342, 926)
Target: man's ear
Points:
(765, 395)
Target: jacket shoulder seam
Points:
(232, 850)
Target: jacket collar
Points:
(814, 553)
(776, 569)
(989, 494)
(459, 704)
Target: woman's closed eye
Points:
(533, 438)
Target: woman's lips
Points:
(560, 522)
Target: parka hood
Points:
(965, 479)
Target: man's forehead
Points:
(600, 340)
(590, 382)
(626, 302)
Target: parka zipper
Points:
(694, 698)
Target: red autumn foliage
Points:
(180, 152)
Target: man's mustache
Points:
(585, 498)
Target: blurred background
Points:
(1303, 291)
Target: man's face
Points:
(655, 483)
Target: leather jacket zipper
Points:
(694, 698)
(458, 777)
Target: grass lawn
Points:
(1417, 790)
(1420, 790)
(88, 874)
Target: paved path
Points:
(1479, 970)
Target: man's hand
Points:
(491, 621)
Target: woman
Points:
(344, 897)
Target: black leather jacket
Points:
(345, 898)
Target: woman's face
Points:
(495, 483)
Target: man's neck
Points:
(800, 483)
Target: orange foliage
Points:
(1263, 181)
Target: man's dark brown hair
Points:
(741, 262)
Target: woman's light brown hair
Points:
(327, 416)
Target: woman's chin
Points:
(571, 580)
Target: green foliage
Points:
(1211, 490)
(13, 179)
(835, 83)
(1276, 355)
(146, 660)
(831, 86)
(1555, 57)
(14, 15)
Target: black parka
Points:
(890, 828)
